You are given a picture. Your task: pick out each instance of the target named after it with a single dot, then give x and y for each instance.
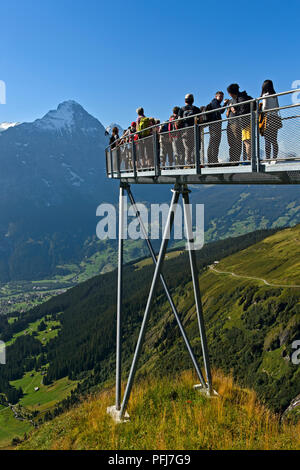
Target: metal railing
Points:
(251, 139)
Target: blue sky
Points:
(112, 57)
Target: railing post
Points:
(133, 156)
(197, 147)
(253, 137)
(111, 163)
(156, 153)
(118, 154)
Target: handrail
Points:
(204, 113)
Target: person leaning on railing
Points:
(270, 120)
(172, 127)
(242, 110)
(142, 122)
(127, 139)
(188, 111)
(113, 142)
(215, 129)
(114, 137)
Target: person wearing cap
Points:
(132, 129)
(188, 111)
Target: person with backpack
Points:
(215, 128)
(127, 138)
(173, 136)
(271, 120)
(242, 126)
(242, 110)
(165, 146)
(142, 125)
(188, 111)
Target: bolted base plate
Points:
(205, 391)
(116, 414)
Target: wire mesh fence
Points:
(226, 142)
(280, 135)
(145, 153)
(177, 148)
(237, 138)
(115, 157)
(108, 161)
(126, 158)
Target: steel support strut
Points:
(169, 297)
(197, 294)
(161, 256)
(119, 298)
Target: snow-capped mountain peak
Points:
(58, 153)
(61, 118)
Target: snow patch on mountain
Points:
(60, 119)
(75, 179)
(6, 125)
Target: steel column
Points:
(161, 256)
(119, 299)
(168, 294)
(197, 294)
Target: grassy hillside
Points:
(169, 414)
(10, 427)
(250, 324)
(276, 259)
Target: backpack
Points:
(205, 118)
(164, 128)
(174, 126)
(244, 108)
(188, 113)
(144, 124)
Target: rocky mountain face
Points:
(52, 177)
(46, 160)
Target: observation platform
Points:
(200, 150)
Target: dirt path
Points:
(217, 271)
